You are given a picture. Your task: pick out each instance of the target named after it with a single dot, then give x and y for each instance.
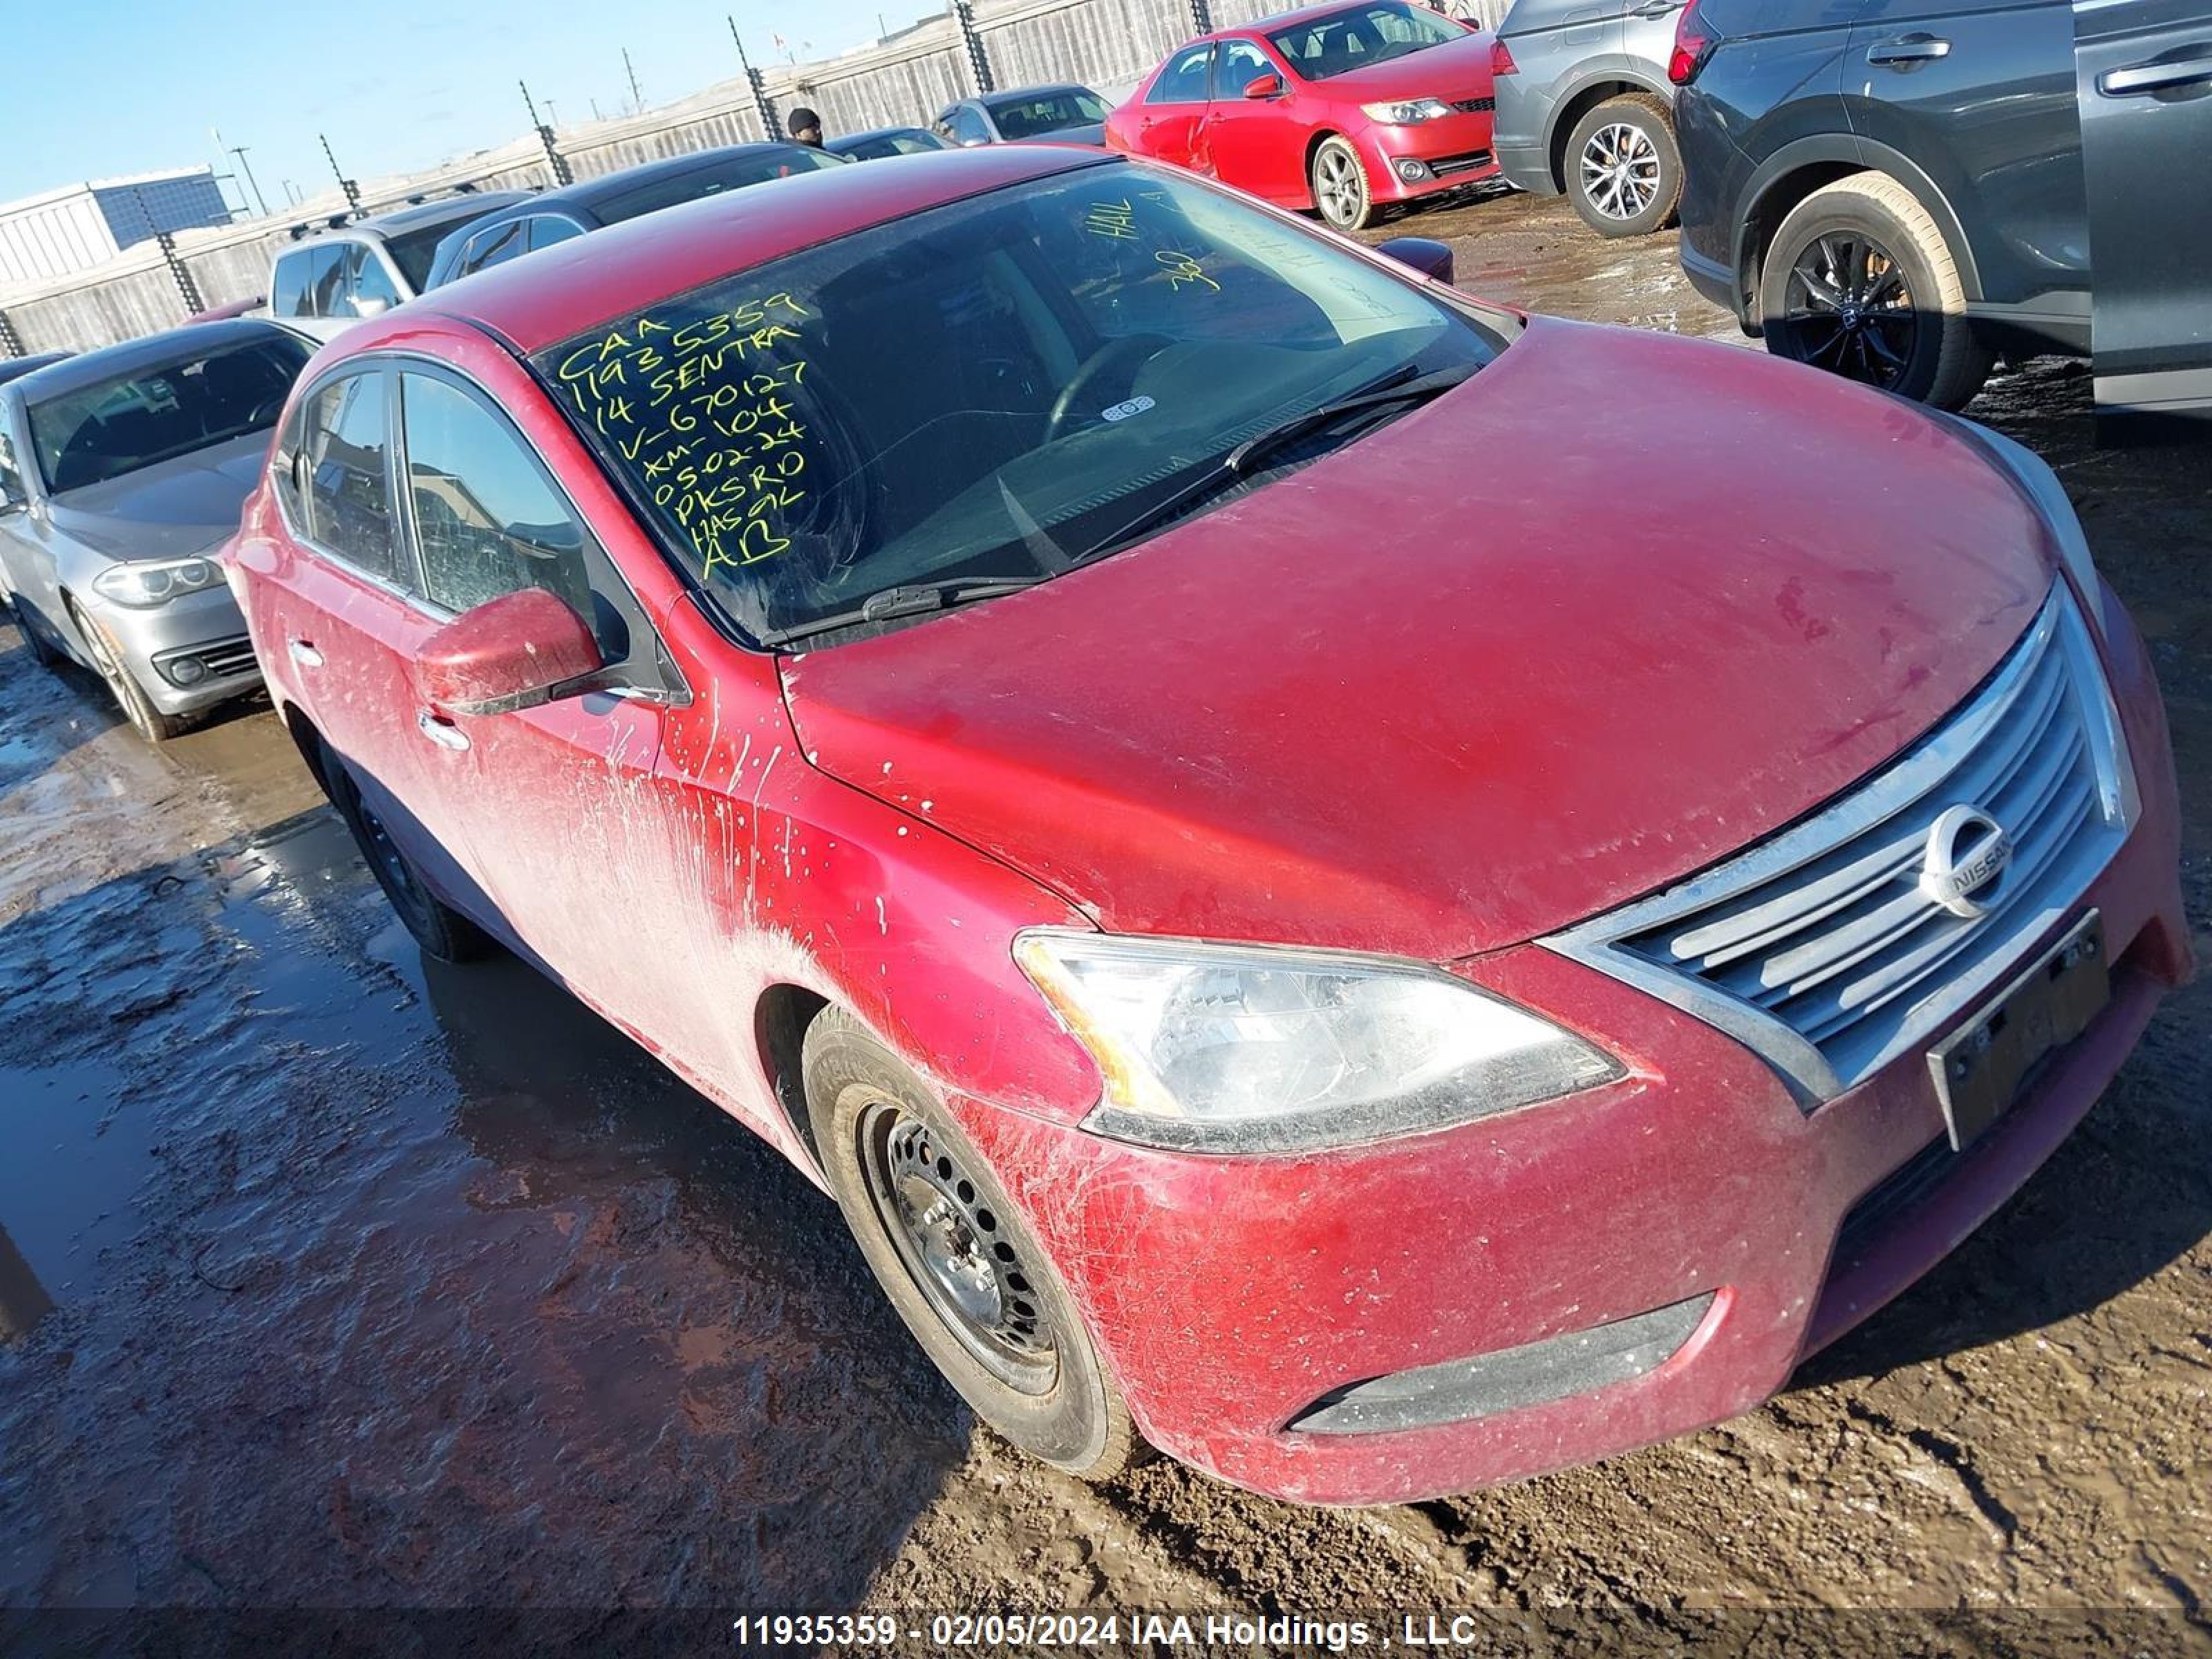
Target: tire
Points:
(1338, 180)
(899, 1167)
(41, 649)
(443, 932)
(1859, 280)
(1624, 172)
(149, 722)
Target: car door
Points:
(28, 574)
(2144, 84)
(341, 600)
(558, 806)
(1255, 144)
(1170, 121)
(1979, 94)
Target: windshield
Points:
(1048, 111)
(990, 388)
(736, 173)
(1364, 35)
(101, 431)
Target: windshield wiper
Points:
(1406, 385)
(907, 601)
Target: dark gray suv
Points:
(1899, 190)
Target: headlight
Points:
(1212, 1047)
(2048, 496)
(1409, 113)
(156, 581)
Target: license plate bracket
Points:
(1977, 1069)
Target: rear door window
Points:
(496, 247)
(343, 476)
(548, 228)
(488, 517)
(1183, 81)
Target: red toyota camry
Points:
(1338, 108)
(1318, 896)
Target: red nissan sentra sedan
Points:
(1318, 897)
(1339, 108)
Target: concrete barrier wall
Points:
(1108, 44)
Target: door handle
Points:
(304, 653)
(1911, 49)
(2153, 77)
(441, 732)
(1656, 7)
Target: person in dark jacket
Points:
(805, 126)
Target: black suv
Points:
(1899, 190)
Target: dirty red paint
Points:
(1656, 654)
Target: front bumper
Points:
(1231, 1295)
(206, 627)
(1405, 163)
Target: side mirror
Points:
(1264, 86)
(371, 306)
(517, 651)
(1433, 259)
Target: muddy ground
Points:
(332, 1277)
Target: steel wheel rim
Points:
(1340, 186)
(1848, 308)
(958, 1253)
(1620, 171)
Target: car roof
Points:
(563, 290)
(1280, 19)
(589, 191)
(14, 369)
(419, 216)
(174, 345)
(873, 133)
(1016, 94)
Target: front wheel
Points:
(1624, 172)
(444, 933)
(955, 1257)
(149, 722)
(1340, 186)
(1860, 281)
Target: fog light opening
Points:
(185, 670)
(1411, 171)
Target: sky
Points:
(94, 88)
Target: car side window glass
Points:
(371, 281)
(11, 475)
(292, 283)
(1240, 63)
(966, 127)
(488, 519)
(1183, 81)
(496, 247)
(546, 229)
(333, 280)
(341, 467)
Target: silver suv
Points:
(1584, 107)
(333, 277)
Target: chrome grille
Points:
(1819, 948)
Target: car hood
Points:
(168, 510)
(1456, 69)
(1615, 608)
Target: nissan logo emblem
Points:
(1968, 853)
